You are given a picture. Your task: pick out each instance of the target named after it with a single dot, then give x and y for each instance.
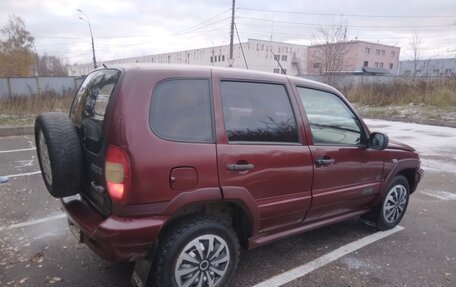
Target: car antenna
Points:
(104, 66)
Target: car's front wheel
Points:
(390, 211)
(201, 250)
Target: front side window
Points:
(331, 121)
(257, 112)
(181, 110)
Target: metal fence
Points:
(24, 87)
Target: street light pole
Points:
(91, 35)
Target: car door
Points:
(347, 175)
(259, 150)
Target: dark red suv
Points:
(179, 166)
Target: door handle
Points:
(239, 167)
(324, 161)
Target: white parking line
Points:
(302, 270)
(17, 150)
(32, 222)
(23, 174)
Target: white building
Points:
(260, 55)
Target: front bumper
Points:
(113, 238)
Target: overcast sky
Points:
(128, 28)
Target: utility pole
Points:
(37, 62)
(231, 60)
(91, 35)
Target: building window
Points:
(391, 66)
(393, 53)
(276, 57)
(368, 50)
(383, 52)
(223, 58)
(366, 63)
(377, 52)
(435, 71)
(284, 58)
(284, 71)
(276, 70)
(448, 71)
(316, 65)
(381, 65)
(212, 59)
(376, 64)
(418, 72)
(408, 72)
(219, 58)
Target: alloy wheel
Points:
(203, 262)
(395, 203)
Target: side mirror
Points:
(378, 141)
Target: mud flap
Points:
(141, 272)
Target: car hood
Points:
(398, 145)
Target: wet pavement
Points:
(45, 253)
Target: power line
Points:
(349, 26)
(349, 15)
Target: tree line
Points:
(18, 56)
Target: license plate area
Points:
(76, 231)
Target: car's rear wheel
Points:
(199, 251)
(59, 154)
(390, 211)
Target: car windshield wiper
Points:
(336, 127)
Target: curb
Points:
(16, 131)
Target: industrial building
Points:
(429, 67)
(259, 55)
(354, 57)
(276, 57)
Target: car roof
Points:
(224, 71)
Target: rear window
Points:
(89, 106)
(93, 96)
(181, 110)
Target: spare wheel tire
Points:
(59, 154)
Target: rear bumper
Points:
(113, 238)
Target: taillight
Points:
(117, 173)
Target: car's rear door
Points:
(87, 113)
(259, 150)
(347, 175)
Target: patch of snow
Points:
(442, 195)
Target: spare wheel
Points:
(59, 154)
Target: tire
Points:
(179, 244)
(390, 211)
(59, 154)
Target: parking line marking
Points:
(304, 269)
(32, 222)
(23, 174)
(17, 150)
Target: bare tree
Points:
(16, 56)
(330, 51)
(52, 66)
(415, 43)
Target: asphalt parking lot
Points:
(37, 248)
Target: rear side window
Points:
(257, 112)
(181, 110)
(89, 106)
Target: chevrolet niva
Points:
(180, 166)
